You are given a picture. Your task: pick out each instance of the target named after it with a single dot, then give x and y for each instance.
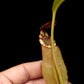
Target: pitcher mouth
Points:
(45, 39)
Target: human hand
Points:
(26, 73)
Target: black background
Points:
(20, 27)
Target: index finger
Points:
(23, 72)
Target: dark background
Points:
(20, 27)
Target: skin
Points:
(26, 73)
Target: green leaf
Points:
(56, 4)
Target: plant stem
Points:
(53, 48)
(56, 70)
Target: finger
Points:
(37, 81)
(4, 80)
(24, 72)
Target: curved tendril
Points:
(56, 70)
